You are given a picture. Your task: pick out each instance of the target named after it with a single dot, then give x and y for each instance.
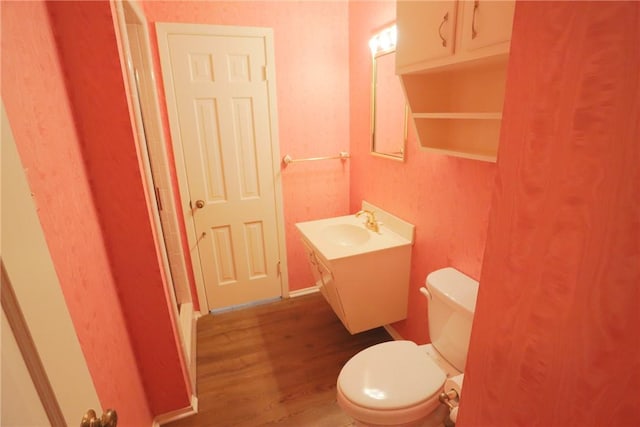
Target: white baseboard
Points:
(178, 414)
(186, 325)
(305, 291)
(194, 351)
(394, 334)
(188, 321)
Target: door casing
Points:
(145, 117)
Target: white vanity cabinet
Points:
(452, 60)
(363, 274)
(366, 291)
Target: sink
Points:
(346, 234)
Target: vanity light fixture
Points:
(384, 41)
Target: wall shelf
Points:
(458, 111)
(458, 116)
(465, 153)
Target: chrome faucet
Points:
(371, 223)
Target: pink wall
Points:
(42, 121)
(312, 95)
(87, 47)
(555, 339)
(63, 90)
(447, 198)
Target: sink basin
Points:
(346, 234)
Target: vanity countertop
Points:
(345, 236)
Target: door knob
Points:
(108, 419)
(199, 204)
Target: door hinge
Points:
(265, 73)
(278, 271)
(158, 198)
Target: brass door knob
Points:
(108, 419)
(199, 204)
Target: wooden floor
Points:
(274, 364)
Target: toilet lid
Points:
(391, 375)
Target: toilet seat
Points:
(392, 375)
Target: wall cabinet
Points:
(452, 60)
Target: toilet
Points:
(398, 383)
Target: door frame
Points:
(143, 101)
(145, 104)
(163, 31)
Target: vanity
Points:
(363, 274)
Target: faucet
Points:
(371, 223)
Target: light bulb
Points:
(385, 41)
(373, 45)
(394, 35)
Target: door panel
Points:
(223, 110)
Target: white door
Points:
(223, 111)
(45, 379)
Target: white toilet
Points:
(398, 383)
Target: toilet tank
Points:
(451, 308)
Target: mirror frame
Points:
(374, 98)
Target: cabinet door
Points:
(330, 291)
(311, 257)
(485, 23)
(426, 31)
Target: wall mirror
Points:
(388, 105)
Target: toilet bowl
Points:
(395, 383)
(398, 383)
